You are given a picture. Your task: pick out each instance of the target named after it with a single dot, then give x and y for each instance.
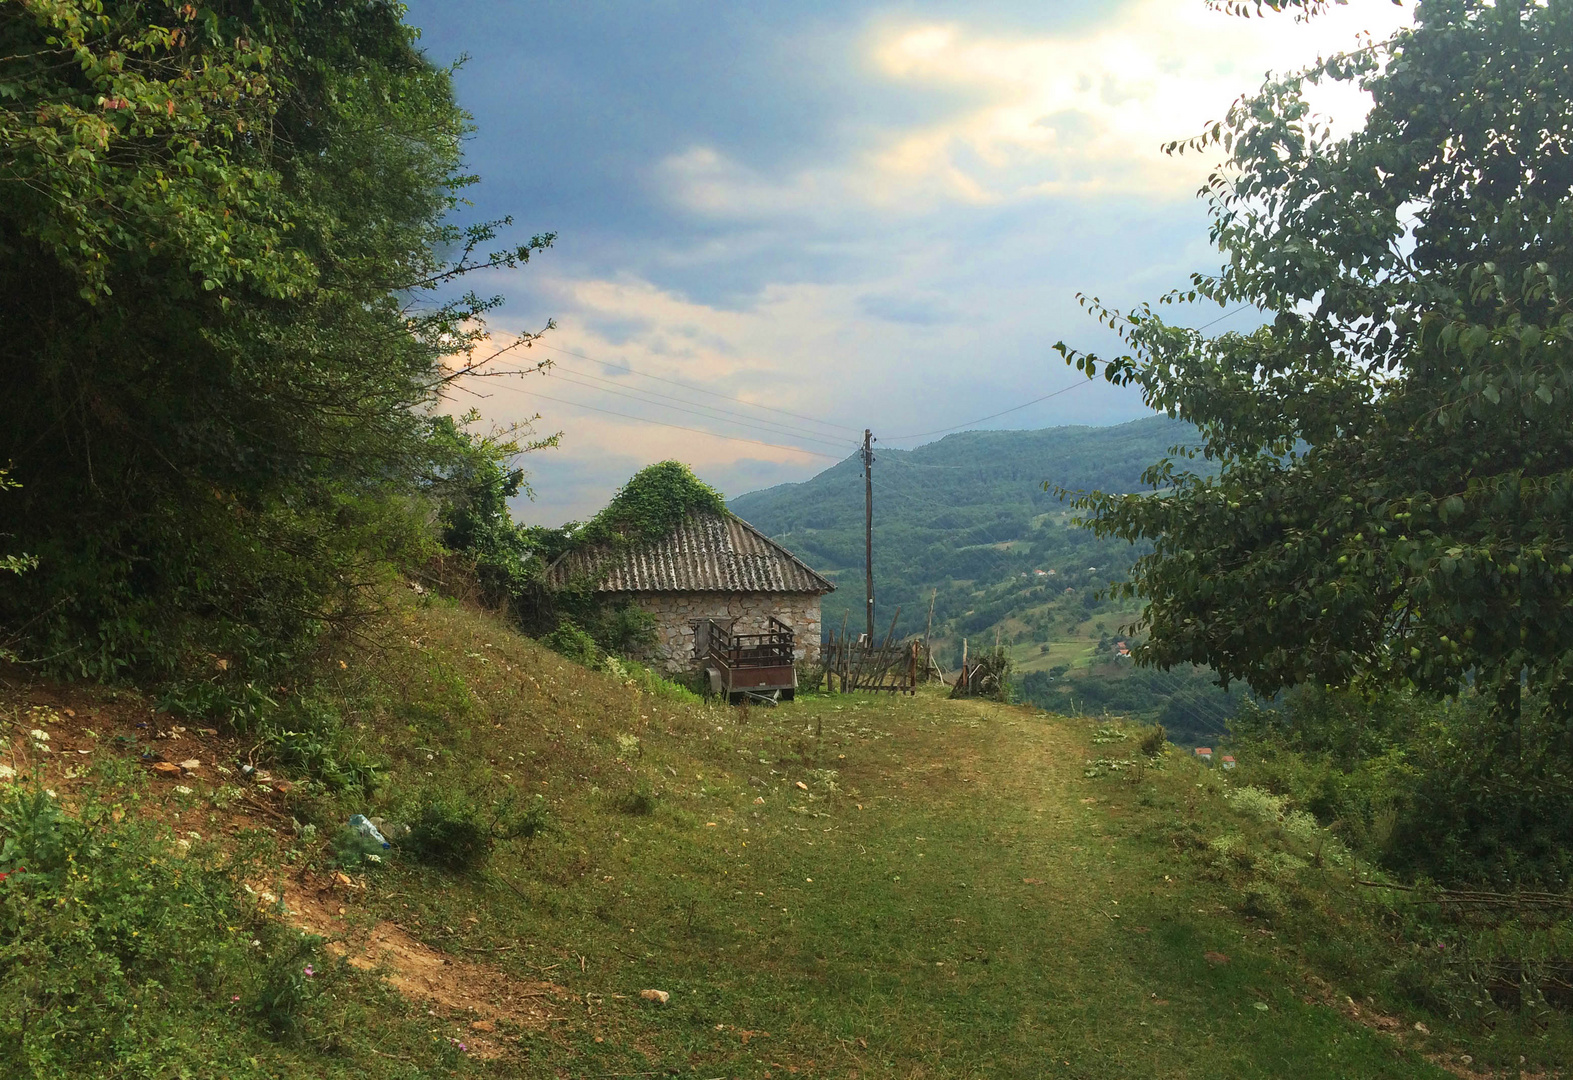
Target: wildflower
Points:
(309, 971)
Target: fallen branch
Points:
(1476, 896)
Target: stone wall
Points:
(675, 614)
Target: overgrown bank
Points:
(838, 885)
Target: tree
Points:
(221, 229)
(1394, 494)
(477, 477)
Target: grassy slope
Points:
(911, 887)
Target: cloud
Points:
(864, 214)
(1083, 111)
(801, 368)
(1086, 111)
(915, 310)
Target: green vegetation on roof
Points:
(651, 504)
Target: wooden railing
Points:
(773, 648)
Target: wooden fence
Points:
(850, 664)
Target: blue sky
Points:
(796, 220)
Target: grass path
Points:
(871, 888)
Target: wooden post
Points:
(868, 522)
(928, 634)
(884, 652)
(830, 663)
(841, 657)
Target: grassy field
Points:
(1073, 647)
(842, 886)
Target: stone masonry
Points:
(676, 612)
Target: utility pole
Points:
(868, 517)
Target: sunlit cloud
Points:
(1086, 113)
(1083, 114)
(900, 252)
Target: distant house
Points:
(1205, 753)
(1122, 648)
(1227, 762)
(711, 569)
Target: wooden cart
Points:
(757, 667)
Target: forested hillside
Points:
(963, 514)
(968, 522)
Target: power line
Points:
(662, 423)
(783, 429)
(698, 389)
(632, 391)
(991, 416)
(1034, 401)
(1224, 316)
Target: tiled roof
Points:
(706, 553)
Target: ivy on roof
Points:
(653, 502)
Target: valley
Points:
(974, 522)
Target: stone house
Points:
(713, 566)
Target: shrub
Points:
(1262, 901)
(476, 479)
(1428, 789)
(448, 832)
(1153, 740)
(571, 641)
(309, 735)
(354, 850)
(529, 822)
(288, 986)
(122, 954)
(638, 800)
(456, 832)
(626, 629)
(304, 733)
(657, 685)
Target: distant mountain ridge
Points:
(966, 521)
(969, 507)
(979, 468)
